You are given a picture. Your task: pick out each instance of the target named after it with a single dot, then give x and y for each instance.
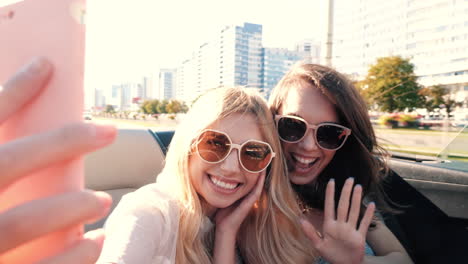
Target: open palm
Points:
(342, 240)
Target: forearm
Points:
(224, 251)
(386, 246)
(394, 257)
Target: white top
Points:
(144, 228)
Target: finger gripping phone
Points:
(53, 29)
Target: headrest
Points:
(133, 160)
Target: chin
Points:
(220, 204)
(301, 179)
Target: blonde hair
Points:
(271, 233)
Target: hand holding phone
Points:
(30, 220)
(52, 29)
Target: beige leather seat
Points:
(133, 160)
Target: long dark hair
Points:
(357, 158)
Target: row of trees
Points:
(391, 85)
(157, 107)
(163, 107)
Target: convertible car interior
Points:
(432, 200)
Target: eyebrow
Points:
(298, 115)
(294, 114)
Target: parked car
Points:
(431, 194)
(87, 115)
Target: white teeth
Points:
(303, 160)
(222, 184)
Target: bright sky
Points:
(127, 39)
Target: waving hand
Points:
(342, 240)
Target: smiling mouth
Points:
(228, 186)
(303, 163)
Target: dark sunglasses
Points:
(329, 136)
(214, 146)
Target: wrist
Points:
(225, 234)
(346, 261)
(229, 231)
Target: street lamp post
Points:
(329, 34)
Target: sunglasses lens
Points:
(330, 136)
(213, 146)
(291, 129)
(255, 156)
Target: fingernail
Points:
(105, 199)
(351, 179)
(358, 185)
(319, 234)
(37, 66)
(332, 180)
(301, 221)
(105, 133)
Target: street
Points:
(161, 124)
(424, 141)
(421, 141)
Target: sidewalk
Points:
(163, 123)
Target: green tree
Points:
(175, 106)
(161, 108)
(391, 85)
(109, 109)
(144, 107)
(150, 106)
(436, 97)
(362, 89)
(154, 106)
(184, 108)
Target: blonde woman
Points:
(223, 166)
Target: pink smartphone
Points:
(55, 30)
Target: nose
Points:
(231, 163)
(309, 143)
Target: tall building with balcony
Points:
(432, 33)
(167, 84)
(276, 62)
(99, 98)
(206, 66)
(232, 58)
(186, 79)
(236, 57)
(145, 88)
(239, 50)
(125, 96)
(311, 50)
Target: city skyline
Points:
(235, 57)
(422, 32)
(127, 39)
